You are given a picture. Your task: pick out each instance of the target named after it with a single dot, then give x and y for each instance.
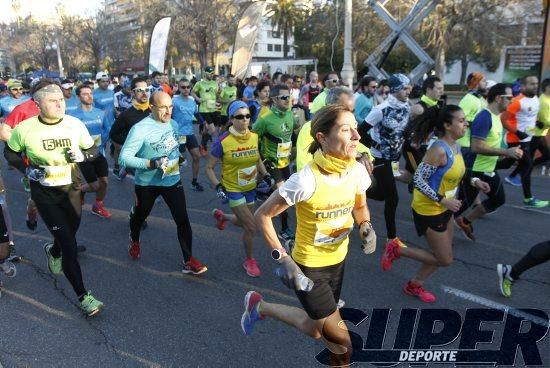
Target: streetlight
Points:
(347, 69)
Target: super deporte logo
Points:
(479, 337)
(51, 144)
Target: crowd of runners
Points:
(285, 141)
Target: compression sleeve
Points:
(421, 177)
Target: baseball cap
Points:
(209, 70)
(101, 75)
(14, 83)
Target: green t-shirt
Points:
(207, 92)
(230, 93)
(471, 105)
(275, 130)
(543, 116)
(487, 126)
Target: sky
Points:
(46, 9)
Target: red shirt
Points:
(21, 112)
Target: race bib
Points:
(283, 149)
(97, 139)
(182, 139)
(451, 194)
(395, 168)
(172, 168)
(211, 104)
(56, 176)
(247, 176)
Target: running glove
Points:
(220, 192)
(75, 155)
(160, 163)
(35, 173)
(521, 135)
(539, 124)
(368, 237)
(291, 275)
(268, 181)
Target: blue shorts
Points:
(240, 198)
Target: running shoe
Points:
(99, 209)
(505, 281)
(134, 249)
(251, 267)
(54, 264)
(203, 151)
(197, 187)
(251, 315)
(90, 305)
(417, 290)
(220, 219)
(286, 235)
(8, 268)
(194, 267)
(513, 180)
(391, 253)
(31, 219)
(534, 203)
(467, 229)
(26, 184)
(13, 257)
(399, 242)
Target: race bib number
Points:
(97, 140)
(172, 168)
(182, 139)
(56, 176)
(395, 168)
(211, 104)
(283, 149)
(451, 194)
(247, 176)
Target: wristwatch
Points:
(278, 253)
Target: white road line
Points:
(527, 209)
(491, 304)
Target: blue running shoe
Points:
(513, 180)
(250, 314)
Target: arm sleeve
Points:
(421, 177)
(481, 125)
(299, 187)
(131, 147)
(217, 149)
(116, 130)
(374, 117)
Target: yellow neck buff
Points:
(240, 136)
(331, 164)
(141, 106)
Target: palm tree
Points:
(284, 14)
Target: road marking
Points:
(491, 304)
(527, 209)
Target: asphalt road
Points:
(157, 317)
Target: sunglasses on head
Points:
(241, 116)
(282, 98)
(16, 89)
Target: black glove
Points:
(539, 125)
(291, 275)
(159, 163)
(521, 135)
(268, 181)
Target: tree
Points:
(284, 15)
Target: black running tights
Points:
(540, 253)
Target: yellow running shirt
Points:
(324, 212)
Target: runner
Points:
(386, 123)
(71, 101)
(508, 274)
(335, 184)
(472, 103)
(364, 97)
(275, 132)
(238, 151)
(539, 141)
(53, 143)
(520, 121)
(185, 108)
(127, 119)
(152, 149)
(227, 94)
(486, 133)
(205, 92)
(104, 98)
(122, 100)
(331, 80)
(262, 104)
(14, 98)
(95, 172)
(434, 200)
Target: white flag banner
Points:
(246, 38)
(159, 40)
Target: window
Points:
(269, 47)
(275, 34)
(278, 48)
(255, 47)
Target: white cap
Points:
(101, 75)
(490, 83)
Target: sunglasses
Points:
(242, 117)
(282, 98)
(185, 87)
(141, 90)
(333, 80)
(16, 89)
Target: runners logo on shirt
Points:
(51, 144)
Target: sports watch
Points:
(278, 253)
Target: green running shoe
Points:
(54, 264)
(90, 305)
(505, 280)
(535, 203)
(26, 184)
